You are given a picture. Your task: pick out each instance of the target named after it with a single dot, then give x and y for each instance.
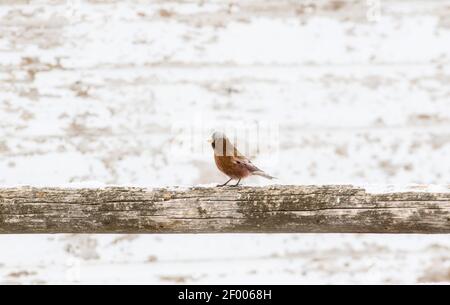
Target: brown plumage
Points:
(231, 162)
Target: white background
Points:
(93, 91)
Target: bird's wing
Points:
(241, 160)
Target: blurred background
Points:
(96, 92)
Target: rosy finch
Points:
(231, 162)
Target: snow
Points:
(433, 188)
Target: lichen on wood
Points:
(271, 209)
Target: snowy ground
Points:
(100, 90)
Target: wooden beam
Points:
(273, 209)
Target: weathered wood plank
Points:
(272, 209)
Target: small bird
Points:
(231, 162)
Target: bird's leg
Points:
(221, 185)
(237, 184)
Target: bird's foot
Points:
(227, 185)
(237, 184)
(222, 185)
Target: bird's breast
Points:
(229, 167)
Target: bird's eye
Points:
(213, 144)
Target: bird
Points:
(231, 162)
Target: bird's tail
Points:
(263, 174)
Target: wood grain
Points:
(272, 209)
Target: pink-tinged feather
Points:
(231, 162)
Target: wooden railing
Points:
(272, 209)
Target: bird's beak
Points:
(210, 141)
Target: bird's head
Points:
(216, 137)
(221, 144)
